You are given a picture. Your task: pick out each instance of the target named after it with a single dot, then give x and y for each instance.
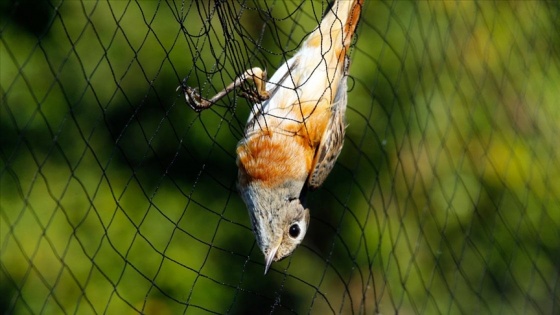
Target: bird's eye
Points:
(294, 230)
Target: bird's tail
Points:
(338, 25)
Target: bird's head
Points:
(278, 217)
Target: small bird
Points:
(295, 131)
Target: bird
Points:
(295, 131)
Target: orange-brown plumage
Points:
(271, 158)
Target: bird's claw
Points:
(193, 98)
(254, 96)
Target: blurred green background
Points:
(117, 198)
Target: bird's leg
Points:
(257, 75)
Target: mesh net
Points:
(117, 198)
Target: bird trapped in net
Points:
(295, 132)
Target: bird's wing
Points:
(331, 143)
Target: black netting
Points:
(117, 198)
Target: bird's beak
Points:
(270, 257)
